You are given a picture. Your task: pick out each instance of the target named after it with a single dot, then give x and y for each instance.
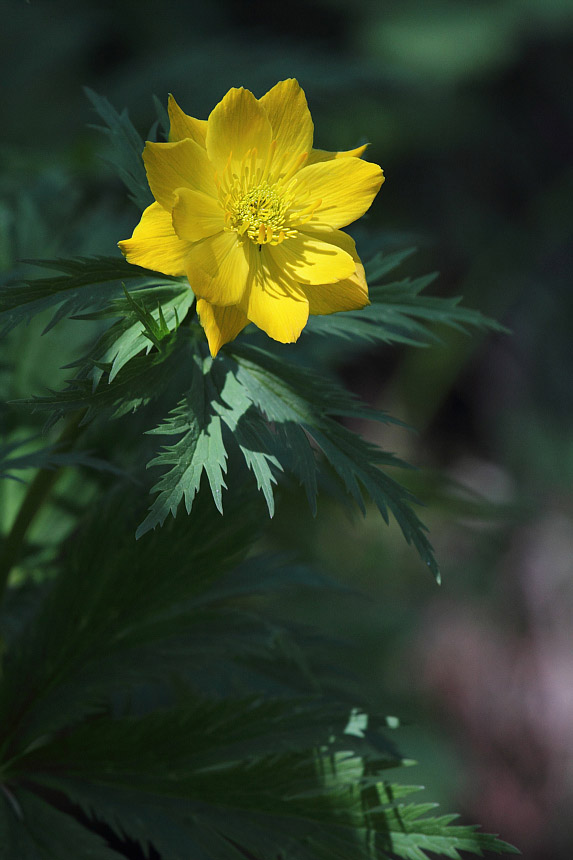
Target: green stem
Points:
(35, 497)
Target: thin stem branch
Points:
(35, 497)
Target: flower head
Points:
(251, 214)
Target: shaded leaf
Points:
(86, 282)
(126, 148)
(32, 829)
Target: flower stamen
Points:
(257, 201)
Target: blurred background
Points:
(468, 107)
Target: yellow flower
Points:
(250, 213)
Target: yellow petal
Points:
(347, 295)
(218, 268)
(221, 324)
(317, 155)
(196, 215)
(346, 188)
(237, 125)
(182, 125)
(171, 166)
(312, 260)
(155, 245)
(273, 303)
(290, 119)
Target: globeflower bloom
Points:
(251, 214)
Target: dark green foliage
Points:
(398, 313)
(46, 458)
(33, 829)
(237, 388)
(126, 147)
(120, 375)
(154, 686)
(86, 283)
(300, 773)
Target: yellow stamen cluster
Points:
(260, 214)
(257, 201)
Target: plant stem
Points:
(35, 496)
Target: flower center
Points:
(260, 214)
(258, 200)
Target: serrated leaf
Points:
(398, 313)
(32, 829)
(258, 775)
(200, 449)
(109, 600)
(87, 282)
(384, 262)
(126, 148)
(47, 457)
(126, 338)
(142, 380)
(215, 401)
(415, 832)
(294, 397)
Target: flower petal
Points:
(317, 155)
(196, 215)
(275, 304)
(183, 164)
(218, 268)
(236, 125)
(312, 260)
(346, 188)
(221, 324)
(155, 245)
(349, 294)
(290, 119)
(182, 125)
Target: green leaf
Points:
(110, 620)
(398, 313)
(243, 772)
(32, 829)
(126, 148)
(295, 397)
(142, 380)
(268, 777)
(160, 310)
(199, 450)
(235, 392)
(215, 401)
(47, 458)
(414, 833)
(87, 282)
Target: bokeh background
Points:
(468, 107)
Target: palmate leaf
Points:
(214, 401)
(290, 776)
(109, 602)
(357, 463)
(86, 283)
(167, 304)
(235, 392)
(123, 613)
(47, 457)
(126, 148)
(272, 778)
(145, 378)
(415, 833)
(398, 313)
(32, 829)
